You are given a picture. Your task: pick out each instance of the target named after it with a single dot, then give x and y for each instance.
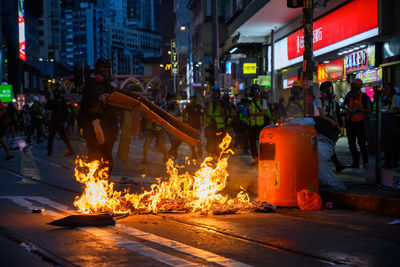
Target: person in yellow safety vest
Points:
(214, 121)
(151, 131)
(258, 110)
(358, 104)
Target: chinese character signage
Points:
(6, 93)
(330, 71)
(341, 24)
(21, 30)
(357, 60)
(174, 59)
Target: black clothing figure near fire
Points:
(98, 120)
(59, 115)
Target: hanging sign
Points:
(370, 76)
(174, 59)
(6, 93)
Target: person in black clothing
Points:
(59, 114)
(193, 115)
(13, 126)
(98, 120)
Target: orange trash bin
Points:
(288, 163)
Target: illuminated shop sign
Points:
(287, 83)
(174, 58)
(21, 30)
(347, 21)
(6, 93)
(249, 68)
(330, 71)
(264, 80)
(370, 76)
(356, 60)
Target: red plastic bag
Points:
(308, 200)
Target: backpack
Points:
(325, 127)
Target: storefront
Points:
(335, 72)
(342, 33)
(370, 78)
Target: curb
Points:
(373, 204)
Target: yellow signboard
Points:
(249, 68)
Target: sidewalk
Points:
(360, 195)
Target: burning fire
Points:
(181, 192)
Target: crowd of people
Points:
(242, 117)
(39, 120)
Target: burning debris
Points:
(182, 192)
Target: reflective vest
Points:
(257, 120)
(218, 116)
(355, 104)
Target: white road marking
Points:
(186, 249)
(29, 167)
(137, 247)
(129, 244)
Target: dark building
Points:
(21, 71)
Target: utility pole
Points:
(273, 66)
(308, 58)
(215, 39)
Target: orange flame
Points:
(181, 192)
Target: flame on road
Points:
(182, 192)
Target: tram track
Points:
(208, 228)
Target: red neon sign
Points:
(354, 18)
(331, 71)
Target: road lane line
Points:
(113, 238)
(137, 247)
(186, 249)
(29, 167)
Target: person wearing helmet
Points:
(214, 121)
(358, 104)
(98, 120)
(258, 110)
(326, 125)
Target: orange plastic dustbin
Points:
(288, 163)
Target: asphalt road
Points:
(287, 237)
